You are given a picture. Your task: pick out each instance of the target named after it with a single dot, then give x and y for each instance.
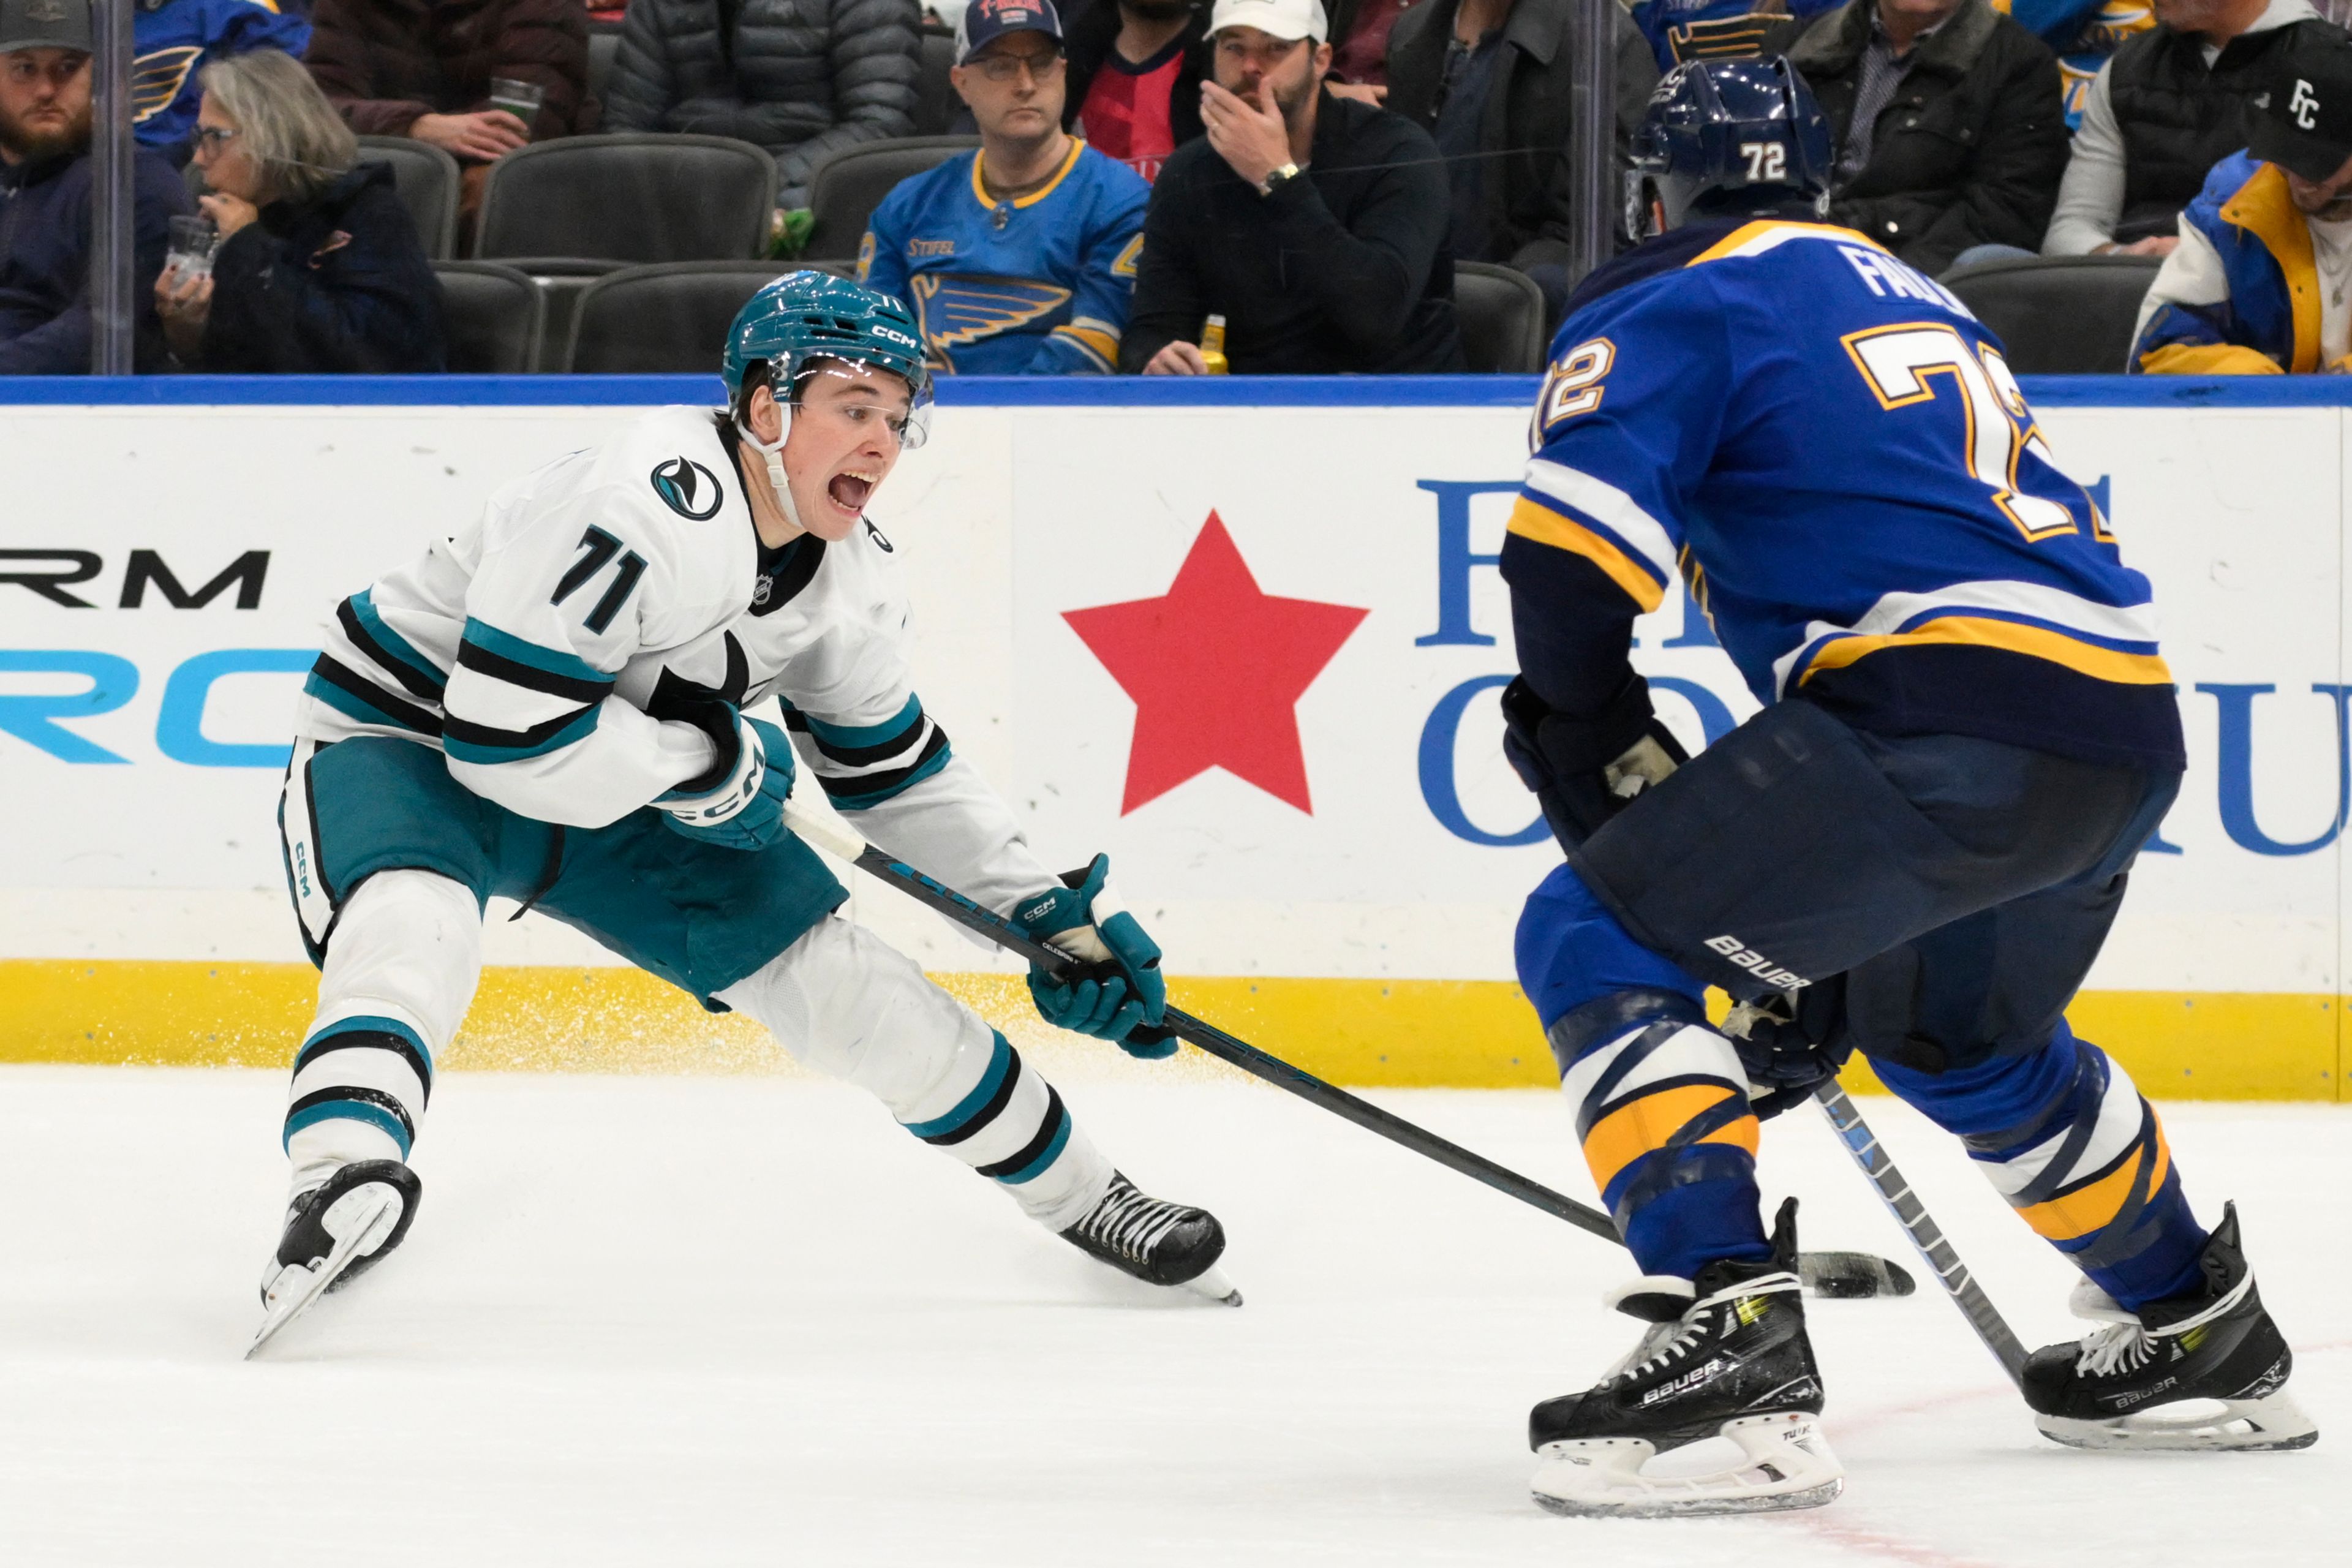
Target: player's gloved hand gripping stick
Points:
(1835, 1274)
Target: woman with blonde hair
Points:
(318, 267)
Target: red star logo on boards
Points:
(1216, 667)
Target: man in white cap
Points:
(1314, 225)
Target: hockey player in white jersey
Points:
(549, 705)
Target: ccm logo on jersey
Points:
(685, 485)
(1756, 963)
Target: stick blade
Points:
(1853, 1275)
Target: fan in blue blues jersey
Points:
(1017, 258)
(1914, 850)
(173, 40)
(557, 704)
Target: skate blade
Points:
(2272, 1424)
(1785, 1463)
(366, 1216)
(1211, 1283)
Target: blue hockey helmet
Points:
(805, 317)
(1729, 139)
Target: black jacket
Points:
(1524, 126)
(1087, 40)
(338, 284)
(1969, 149)
(1343, 269)
(2179, 117)
(45, 327)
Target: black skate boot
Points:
(1727, 1357)
(2116, 1387)
(1158, 1242)
(334, 1233)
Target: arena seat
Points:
(845, 187)
(604, 47)
(629, 198)
(2059, 315)
(671, 317)
(427, 179)
(936, 103)
(1501, 313)
(496, 317)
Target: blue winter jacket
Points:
(45, 262)
(2267, 319)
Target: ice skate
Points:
(334, 1233)
(1158, 1242)
(1725, 1356)
(2202, 1371)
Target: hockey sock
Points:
(2064, 1136)
(1003, 1118)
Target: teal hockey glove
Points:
(739, 802)
(1116, 987)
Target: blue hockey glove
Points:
(1790, 1044)
(1586, 770)
(739, 802)
(1114, 987)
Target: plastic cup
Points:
(519, 99)
(193, 242)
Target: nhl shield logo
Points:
(689, 488)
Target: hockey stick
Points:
(1921, 1227)
(1842, 1274)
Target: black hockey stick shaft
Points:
(1921, 1227)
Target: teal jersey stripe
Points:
(1035, 1168)
(860, 802)
(352, 706)
(582, 725)
(373, 1023)
(998, 1062)
(552, 661)
(860, 735)
(347, 1111)
(398, 647)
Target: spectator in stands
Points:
(1491, 81)
(1681, 30)
(2163, 111)
(2083, 34)
(45, 196)
(172, 40)
(422, 68)
(1315, 225)
(1017, 258)
(801, 78)
(319, 268)
(2258, 282)
(1950, 125)
(1134, 78)
(1359, 48)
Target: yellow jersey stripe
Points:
(1643, 1127)
(2036, 642)
(2085, 1209)
(1531, 520)
(1743, 240)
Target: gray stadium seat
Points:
(845, 187)
(672, 317)
(1502, 318)
(936, 103)
(629, 198)
(426, 178)
(495, 317)
(604, 46)
(2059, 315)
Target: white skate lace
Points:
(1129, 1223)
(1687, 1334)
(2126, 1344)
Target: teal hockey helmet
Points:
(806, 316)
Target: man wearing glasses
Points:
(1017, 259)
(1315, 225)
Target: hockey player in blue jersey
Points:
(1914, 851)
(553, 704)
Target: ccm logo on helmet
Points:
(1756, 963)
(891, 334)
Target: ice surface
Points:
(687, 1322)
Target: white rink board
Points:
(1013, 516)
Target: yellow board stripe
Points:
(1531, 520)
(1645, 1125)
(1401, 1033)
(2038, 642)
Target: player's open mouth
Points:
(849, 492)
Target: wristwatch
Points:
(1288, 171)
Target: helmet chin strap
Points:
(774, 454)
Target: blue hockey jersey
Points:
(1832, 451)
(174, 39)
(1037, 286)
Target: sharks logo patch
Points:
(690, 489)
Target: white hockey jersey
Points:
(527, 645)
